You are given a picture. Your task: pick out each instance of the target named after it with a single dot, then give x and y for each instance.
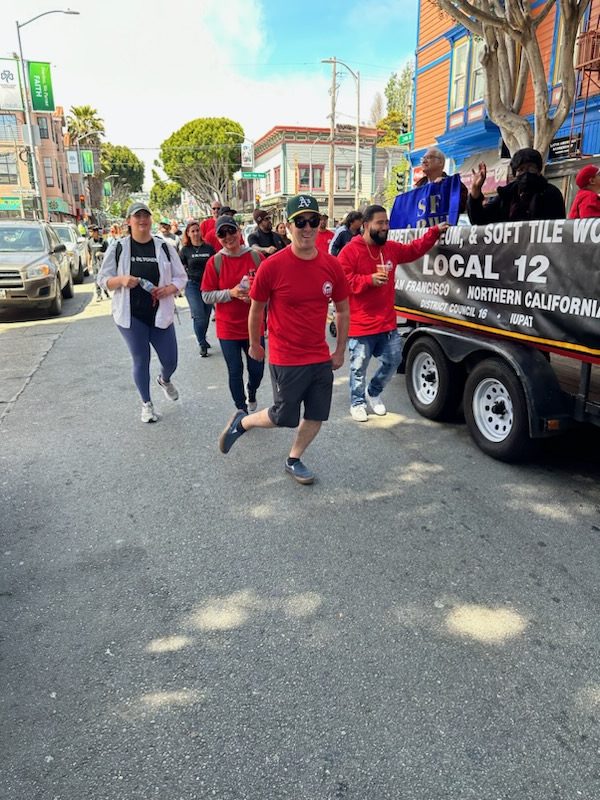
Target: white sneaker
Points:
(376, 405)
(170, 391)
(359, 413)
(252, 407)
(148, 413)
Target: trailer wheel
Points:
(433, 382)
(496, 411)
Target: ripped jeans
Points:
(387, 348)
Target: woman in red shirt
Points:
(226, 284)
(586, 202)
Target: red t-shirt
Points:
(206, 226)
(298, 293)
(322, 241)
(232, 317)
(372, 307)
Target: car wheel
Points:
(80, 272)
(68, 287)
(496, 411)
(433, 382)
(55, 307)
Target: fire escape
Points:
(587, 67)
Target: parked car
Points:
(76, 248)
(248, 229)
(35, 268)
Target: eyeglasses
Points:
(223, 232)
(216, 208)
(302, 222)
(429, 158)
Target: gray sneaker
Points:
(148, 413)
(231, 433)
(170, 391)
(300, 472)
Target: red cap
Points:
(585, 175)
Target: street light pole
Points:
(356, 76)
(28, 125)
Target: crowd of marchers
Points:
(283, 282)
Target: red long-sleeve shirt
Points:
(372, 307)
(586, 203)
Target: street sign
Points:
(254, 174)
(405, 138)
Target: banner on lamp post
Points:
(11, 98)
(247, 155)
(72, 162)
(40, 85)
(87, 162)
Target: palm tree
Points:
(83, 122)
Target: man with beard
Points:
(324, 235)
(530, 196)
(263, 239)
(369, 262)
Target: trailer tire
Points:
(433, 382)
(496, 411)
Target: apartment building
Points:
(450, 113)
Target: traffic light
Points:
(82, 199)
(257, 200)
(400, 182)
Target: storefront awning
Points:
(498, 171)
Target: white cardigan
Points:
(169, 272)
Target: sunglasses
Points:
(223, 232)
(216, 208)
(304, 221)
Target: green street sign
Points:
(254, 174)
(10, 204)
(40, 85)
(107, 189)
(405, 138)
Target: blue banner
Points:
(428, 205)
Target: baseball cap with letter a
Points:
(300, 204)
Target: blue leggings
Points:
(138, 338)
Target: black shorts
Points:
(311, 384)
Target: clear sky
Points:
(148, 67)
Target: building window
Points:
(8, 127)
(477, 73)
(317, 177)
(276, 180)
(459, 75)
(8, 168)
(344, 179)
(60, 177)
(268, 183)
(48, 172)
(43, 126)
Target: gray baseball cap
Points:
(135, 207)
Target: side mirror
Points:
(60, 248)
(81, 239)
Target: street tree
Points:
(511, 57)
(203, 155)
(86, 129)
(125, 167)
(377, 109)
(398, 91)
(390, 128)
(165, 196)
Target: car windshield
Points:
(64, 233)
(16, 239)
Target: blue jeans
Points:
(138, 338)
(232, 353)
(199, 310)
(387, 347)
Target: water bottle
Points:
(146, 285)
(245, 283)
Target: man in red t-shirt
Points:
(207, 226)
(324, 235)
(369, 263)
(298, 283)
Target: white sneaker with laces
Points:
(148, 413)
(252, 406)
(376, 405)
(359, 413)
(170, 391)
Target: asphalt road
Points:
(420, 624)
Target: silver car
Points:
(35, 268)
(76, 248)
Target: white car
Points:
(76, 248)
(247, 230)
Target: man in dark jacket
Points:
(529, 196)
(347, 230)
(264, 240)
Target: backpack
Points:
(218, 259)
(119, 250)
